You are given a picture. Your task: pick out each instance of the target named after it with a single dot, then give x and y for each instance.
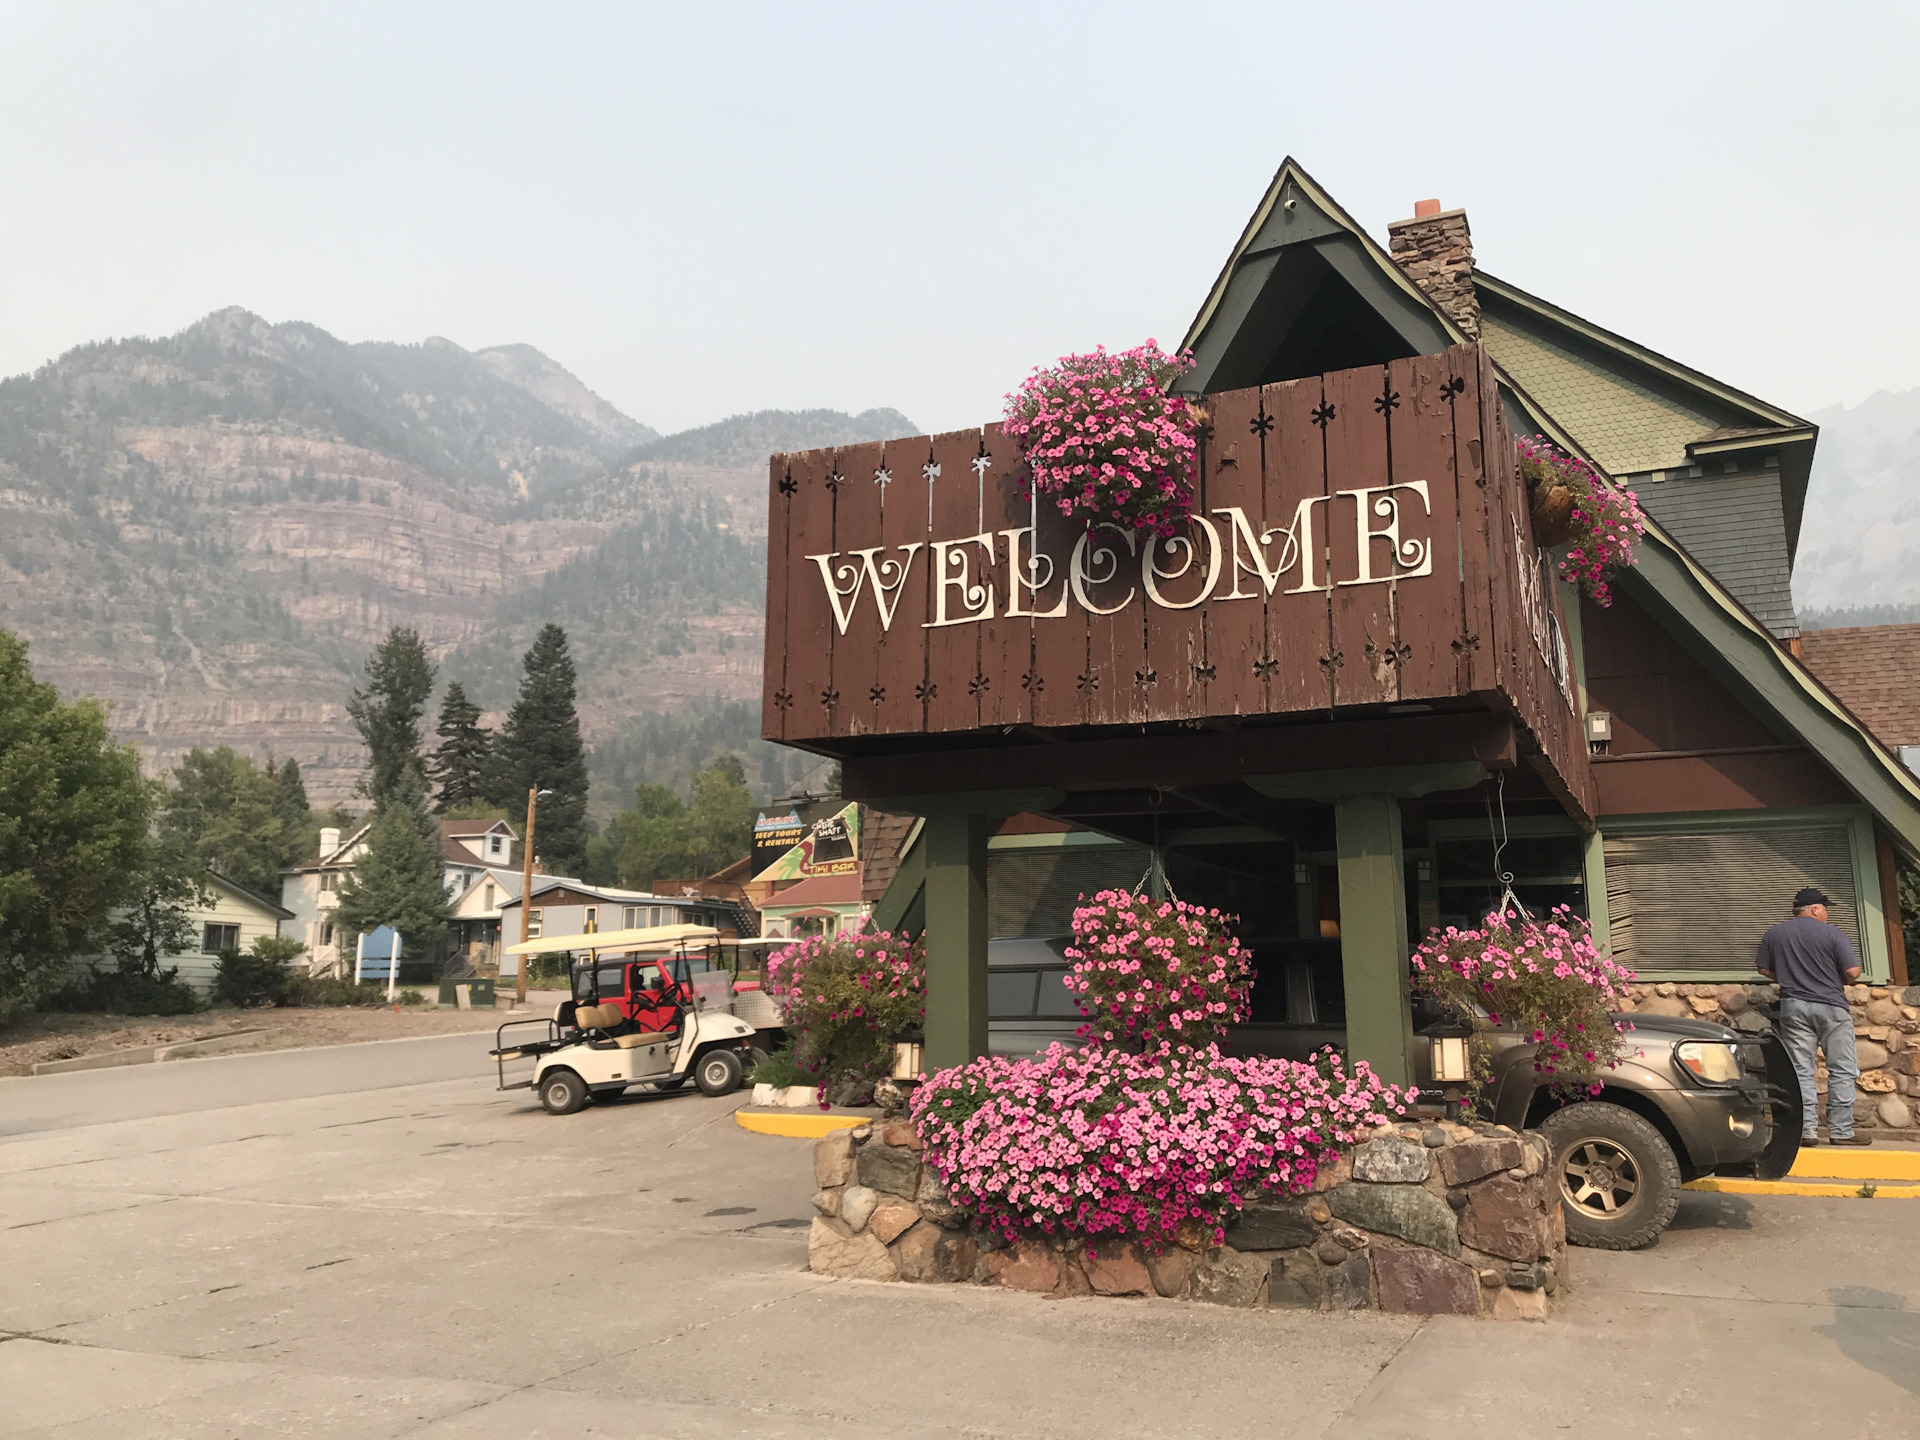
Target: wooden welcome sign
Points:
(1361, 538)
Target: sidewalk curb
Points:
(152, 1054)
(798, 1124)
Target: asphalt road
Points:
(31, 1104)
(343, 1243)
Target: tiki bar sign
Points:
(995, 573)
(1360, 538)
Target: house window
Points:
(488, 897)
(326, 933)
(493, 845)
(215, 938)
(465, 881)
(327, 879)
(593, 920)
(533, 923)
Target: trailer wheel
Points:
(562, 1092)
(718, 1073)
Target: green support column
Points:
(956, 899)
(1373, 934)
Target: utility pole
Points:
(526, 898)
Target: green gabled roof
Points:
(1634, 409)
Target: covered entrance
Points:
(1352, 640)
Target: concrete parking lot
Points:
(370, 1241)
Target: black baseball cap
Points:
(1812, 895)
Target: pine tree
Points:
(387, 713)
(540, 749)
(460, 764)
(290, 793)
(226, 814)
(400, 881)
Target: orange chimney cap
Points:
(1424, 208)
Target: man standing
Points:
(1811, 960)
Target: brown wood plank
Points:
(1236, 631)
(1475, 670)
(1298, 621)
(1006, 645)
(810, 624)
(1363, 635)
(773, 667)
(900, 647)
(953, 650)
(856, 527)
(1427, 612)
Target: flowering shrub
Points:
(1156, 972)
(1547, 979)
(1098, 1141)
(846, 997)
(1604, 524)
(1105, 442)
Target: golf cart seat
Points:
(597, 1017)
(634, 1039)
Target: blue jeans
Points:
(1805, 1024)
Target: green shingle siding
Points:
(1732, 525)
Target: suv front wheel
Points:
(1619, 1182)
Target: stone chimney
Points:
(329, 841)
(1435, 248)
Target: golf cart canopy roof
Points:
(657, 937)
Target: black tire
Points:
(755, 1056)
(718, 1072)
(1619, 1182)
(562, 1092)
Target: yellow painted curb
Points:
(1871, 1163)
(1830, 1189)
(797, 1123)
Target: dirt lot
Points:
(60, 1037)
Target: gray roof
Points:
(1732, 525)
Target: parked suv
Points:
(1691, 1099)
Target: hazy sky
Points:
(705, 208)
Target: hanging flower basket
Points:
(1105, 443)
(1547, 979)
(1574, 505)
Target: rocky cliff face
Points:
(210, 530)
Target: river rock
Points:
(914, 1252)
(1502, 1219)
(857, 1204)
(831, 1250)
(1391, 1161)
(1464, 1164)
(827, 1202)
(1413, 1214)
(1273, 1224)
(1419, 1282)
(1870, 1054)
(1519, 1305)
(832, 1159)
(1883, 1012)
(1118, 1269)
(1350, 1286)
(1895, 1112)
(932, 1199)
(891, 1168)
(1669, 1005)
(1171, 1270)
(1294, 1281)
(1877, 1082)
(1025, 1266)
(892, 1218)
(1230, 1278)
(954, 1256)
(1751, 1022)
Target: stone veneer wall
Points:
(1886, 1029)
(1422, 1219)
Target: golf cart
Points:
(648, 1007)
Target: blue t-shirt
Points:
(1809, 958)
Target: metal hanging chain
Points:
(1156, 858)
(1509, 902)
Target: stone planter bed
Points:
(1421, 1219)
(1886, 1028)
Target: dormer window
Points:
(494, 844)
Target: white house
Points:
(471, 850)
(564, 906)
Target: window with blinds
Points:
(1034, 891)
(1702, 901)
